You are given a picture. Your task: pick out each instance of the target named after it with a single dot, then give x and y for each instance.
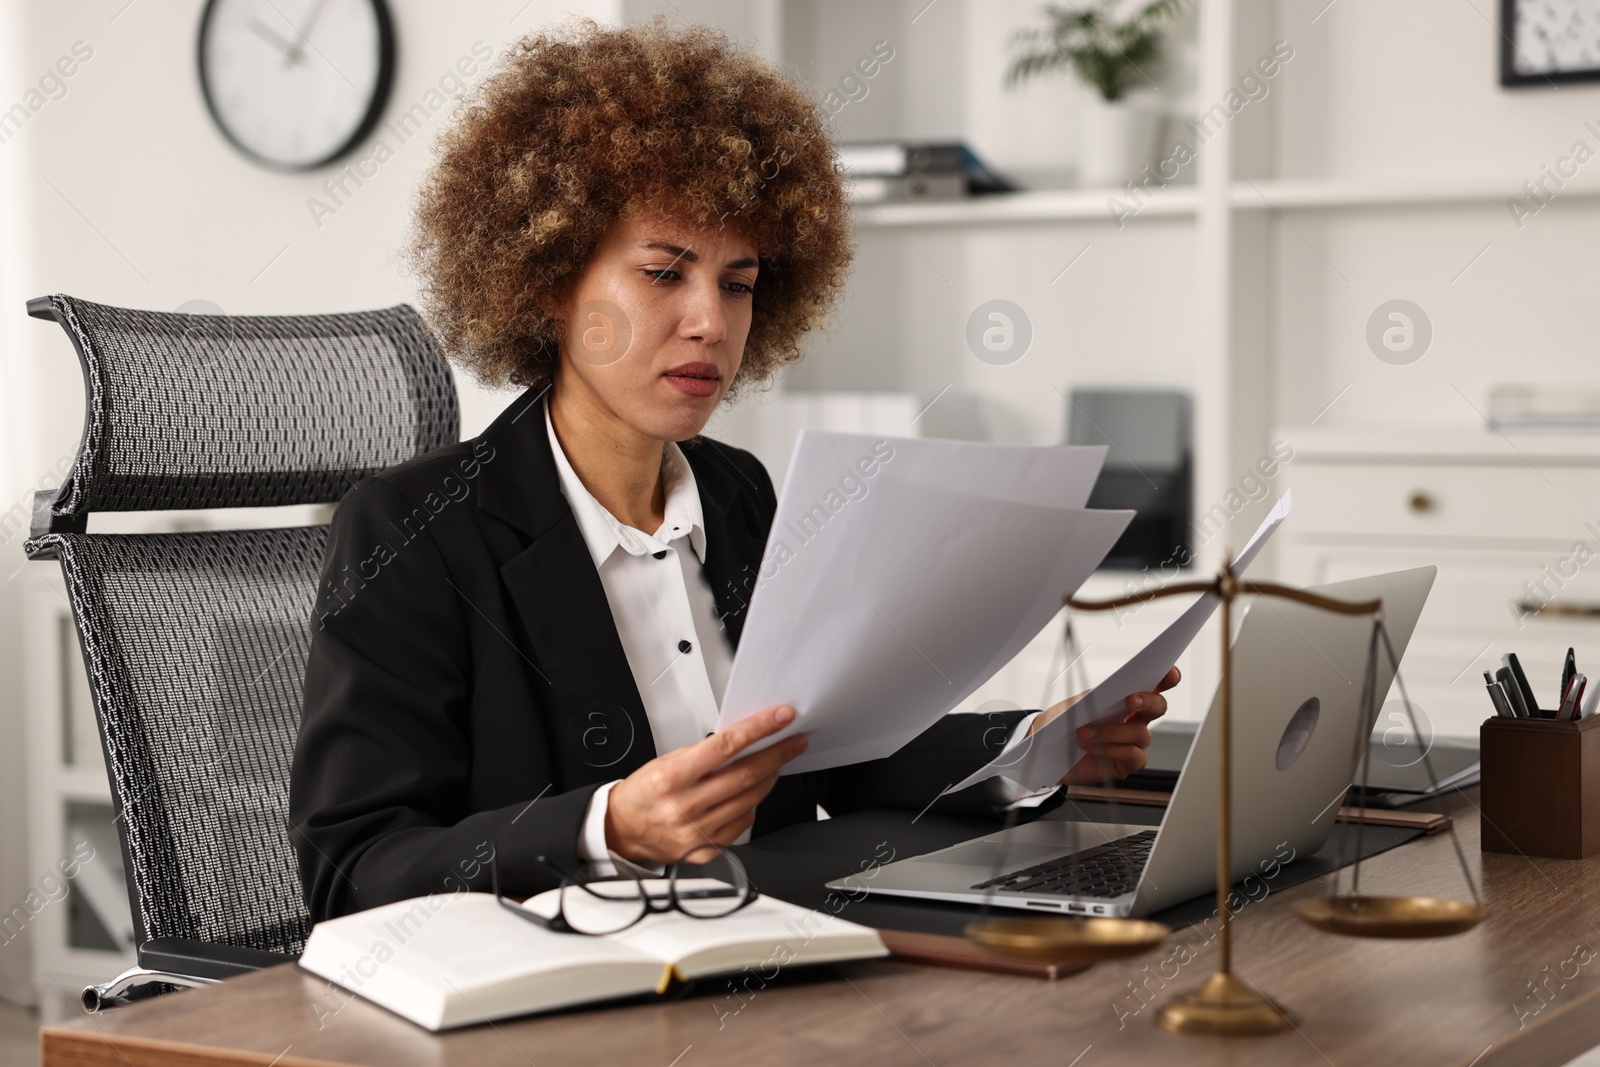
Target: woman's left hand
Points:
(1114, 750)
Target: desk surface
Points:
(1462, 1000)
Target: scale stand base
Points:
(1224, 1005)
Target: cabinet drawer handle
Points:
(1567, 608)
(1420, 501)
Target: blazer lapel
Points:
(599, 722)
(598, 725)
(733, 546)
(738, 514)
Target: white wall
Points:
(1396, 93)
(122, 191)
(15, 424)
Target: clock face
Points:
(295, 84)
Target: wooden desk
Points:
(1452, 1001)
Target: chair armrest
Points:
(202, 959)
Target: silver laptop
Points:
(1298, 729)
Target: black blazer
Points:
(466, 684)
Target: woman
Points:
(522, 639)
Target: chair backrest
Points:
(196, 643)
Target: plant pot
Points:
(1115, 140)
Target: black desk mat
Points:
(795, 863)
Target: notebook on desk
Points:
(452, 959)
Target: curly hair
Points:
(578, 125)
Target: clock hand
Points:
(304, 35)
(267, 34)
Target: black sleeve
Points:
(378, 805)
(936, 759)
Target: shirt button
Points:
(660, 555)
(684, 646)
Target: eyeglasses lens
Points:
(711, 883)
(594, 905)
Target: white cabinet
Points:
(1512, 523)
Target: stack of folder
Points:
(886, 172)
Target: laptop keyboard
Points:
(1108, 870)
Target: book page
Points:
(765, 931)
(474, 941)
(457, 957)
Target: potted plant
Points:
(1116, 135)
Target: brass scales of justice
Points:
(1226, 1003)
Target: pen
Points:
(1569, 703)
(1591, 701)
(1497, 695)
(1513, 694)
(1523, 691)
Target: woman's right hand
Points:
(679, 801)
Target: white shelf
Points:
(1178, 201)
(1266, 194)
(1031, 205)
(84, 784)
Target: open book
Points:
(450, 959)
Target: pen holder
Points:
(1541, 786)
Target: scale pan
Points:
(1067, 938)
(1394, 917)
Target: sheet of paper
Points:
(833, 463)
(900, 574)
(1045, 756)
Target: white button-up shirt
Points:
(665, 614)
(666, 618)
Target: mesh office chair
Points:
(195, 643)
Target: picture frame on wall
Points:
(1546, 42)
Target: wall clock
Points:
(296, 84)
(1545, 42)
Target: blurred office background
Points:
(1361, 263)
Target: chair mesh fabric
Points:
(211, 411)
(196, 646)
(196, 643)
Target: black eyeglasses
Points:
(707, 883)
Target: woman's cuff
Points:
(592, 847)
(592, 838)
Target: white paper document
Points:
(1043, 758)
(899, 575)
